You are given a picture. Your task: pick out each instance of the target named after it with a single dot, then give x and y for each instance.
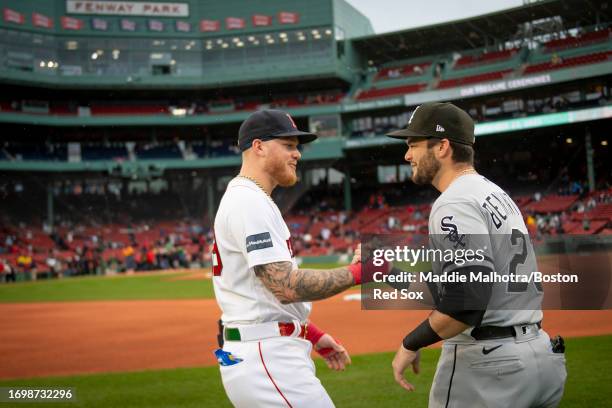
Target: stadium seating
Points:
(399, 71)
(159, 152)
(579, 41)
(472, 79)
(103, 153)
(114, 238)
(484, 58)
(134, 109)
(569, 62)
(391, 91)
(552, 204)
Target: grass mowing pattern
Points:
(367, 383)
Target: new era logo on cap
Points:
(439, 128)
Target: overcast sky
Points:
(394, 15)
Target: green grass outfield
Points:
(119, 287)
(367, 383)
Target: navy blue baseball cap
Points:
(270, 124)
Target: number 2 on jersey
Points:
(519, 259)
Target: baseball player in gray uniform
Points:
(495, 353)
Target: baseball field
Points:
(147, 341)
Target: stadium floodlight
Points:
(116, 54)
(604, 142)
(251, 38)
(50, 64)
(224, 45)
(328, 32)
(256, 42)
(219, 41)
(315, 32)
(270, 40)
(285, 39)
(172, 62)
(42, 64)
(72, 45)
(236, 40)
(283, 35)
(94, 56)
(569, 140)
(240, 44)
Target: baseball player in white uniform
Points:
(264, 297)
(495, 353)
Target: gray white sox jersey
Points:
(517, 370)
(474, 213)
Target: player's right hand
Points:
(357, 255)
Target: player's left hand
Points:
(335, 355)
(403, 358)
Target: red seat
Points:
(396, 90)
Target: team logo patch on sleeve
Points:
(453, 232)
(258, 241)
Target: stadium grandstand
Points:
(121, 118)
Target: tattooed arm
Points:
(300, 285)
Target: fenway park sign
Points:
(127, 8)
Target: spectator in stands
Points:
(554, 223)
(7, 273)
(555, 59)
(537, 196)
(591, 203)
(325, 234)
(53, 264)
(128, 254)
(531, 221)
(151, 259)
(586, 224)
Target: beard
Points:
(282, 173)
(427, 168)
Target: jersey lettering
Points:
(290, 247)
(217, 264)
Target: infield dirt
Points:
(70, 338)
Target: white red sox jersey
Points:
(249, 231)
(474, 213)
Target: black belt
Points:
(497, 332)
